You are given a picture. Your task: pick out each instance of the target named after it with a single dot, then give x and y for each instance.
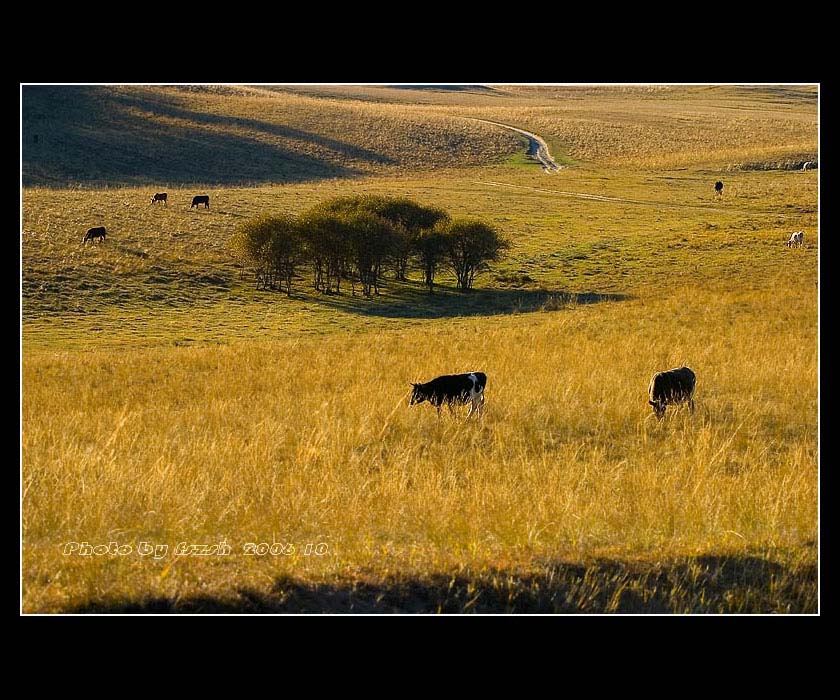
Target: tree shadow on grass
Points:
(412, 300)
(693, 585)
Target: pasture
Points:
(166, 401)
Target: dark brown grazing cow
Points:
(201, 199)
(674, 386)
(718, 187)
(159, 197)
(95, 232)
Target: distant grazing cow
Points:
(95, 232)
(201, 199)
(796, 239)
(672, 387)
(806, 165)
(159, 197)
(453, 389)
(718, 187)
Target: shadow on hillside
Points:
(706, 584)
(446, 88)
(412, 300)
(168, 106)
(92, 135)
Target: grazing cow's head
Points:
(658, 408)
(417, 396)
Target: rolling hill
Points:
(168, 136)
(167, 400)
(239, 135)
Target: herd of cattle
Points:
(196, 201)
(796, 239)
(99, 232)
(672, 387)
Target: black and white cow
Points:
(672, 387)
(718, 187)
(451, 389)
(796, 239)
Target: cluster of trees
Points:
(358, 239)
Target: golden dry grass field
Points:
(166, 401)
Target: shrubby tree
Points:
(371, 241)
(410, 220)
(271, 247)
(407, 220)
(356, 238)
(471, 245)
(430, 246)
(249, 245)
(286, 250)
(327, 248)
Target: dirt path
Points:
(536, 146)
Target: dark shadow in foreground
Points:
(706, 584)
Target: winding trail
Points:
(536, 146)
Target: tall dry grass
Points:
(312, 440)
(288, 422)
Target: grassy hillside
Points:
(169, 136)
(172, 262)
(167, 401)
(647, 127)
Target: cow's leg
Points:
(691, 405)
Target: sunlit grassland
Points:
(165, 400)
(636, 126)
(165, 274)
(170, 136)
(280, 425)
(311, 440)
